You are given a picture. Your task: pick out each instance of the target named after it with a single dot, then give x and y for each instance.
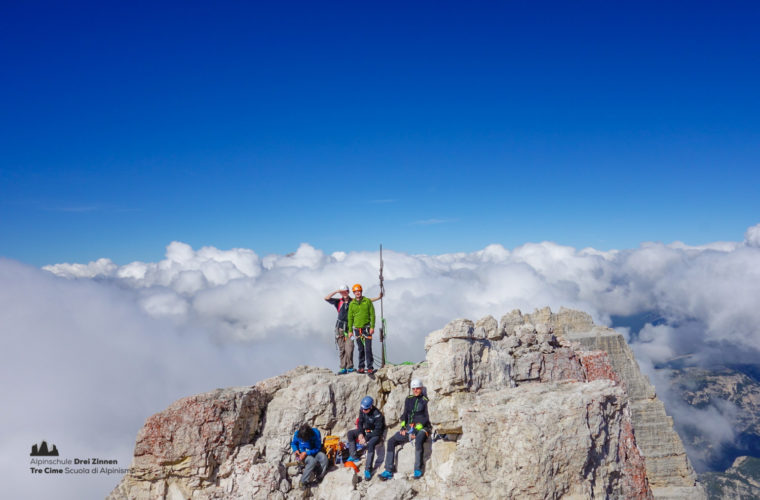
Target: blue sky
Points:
(429, 126)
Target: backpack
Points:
(333, 448)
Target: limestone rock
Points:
(490, 326)
(509, 322)
(522, 413)
(547, 441)
(668, 469)
(338, 485)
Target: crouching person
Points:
(370, 426)
(307, 446)
(415, 426)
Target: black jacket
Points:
(342, 307)
(416, 411)
(372, 424)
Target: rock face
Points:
(668, 469)
(523, 412)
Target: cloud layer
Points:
(95, 348)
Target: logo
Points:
(43, 450)
(47, 461)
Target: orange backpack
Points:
(333, 448)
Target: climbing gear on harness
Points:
(340, 328)
(362, 333)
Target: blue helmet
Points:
(367, 402)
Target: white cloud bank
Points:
(93, 349)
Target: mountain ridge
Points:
(540, 405)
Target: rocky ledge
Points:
(523, 411)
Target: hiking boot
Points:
(342, 371)
(352, 459)
(351, 370)
(417, 474)
(367, 475)
(360, 370)
(370, 371)
(386, 475)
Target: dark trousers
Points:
(365, 350)
(398, 439)
(371, 443)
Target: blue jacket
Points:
(310, 447)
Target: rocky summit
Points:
(542, 405)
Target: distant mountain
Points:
(737, 385)
(741, 481)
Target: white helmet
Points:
(344, 288)
(416, 384)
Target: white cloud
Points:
(84, 362)
(752, 236)
(120, 342)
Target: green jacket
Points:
(361, 314)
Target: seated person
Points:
(307, 446)
(370, 425)
(415, 426)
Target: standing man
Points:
(415, 426)
(370, 425)
(361, 325)
(342, 336)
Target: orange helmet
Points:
(356, 287)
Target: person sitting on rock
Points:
(415, 426)
(370, 426)
(307, 446)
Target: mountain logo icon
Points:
(43, 451)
